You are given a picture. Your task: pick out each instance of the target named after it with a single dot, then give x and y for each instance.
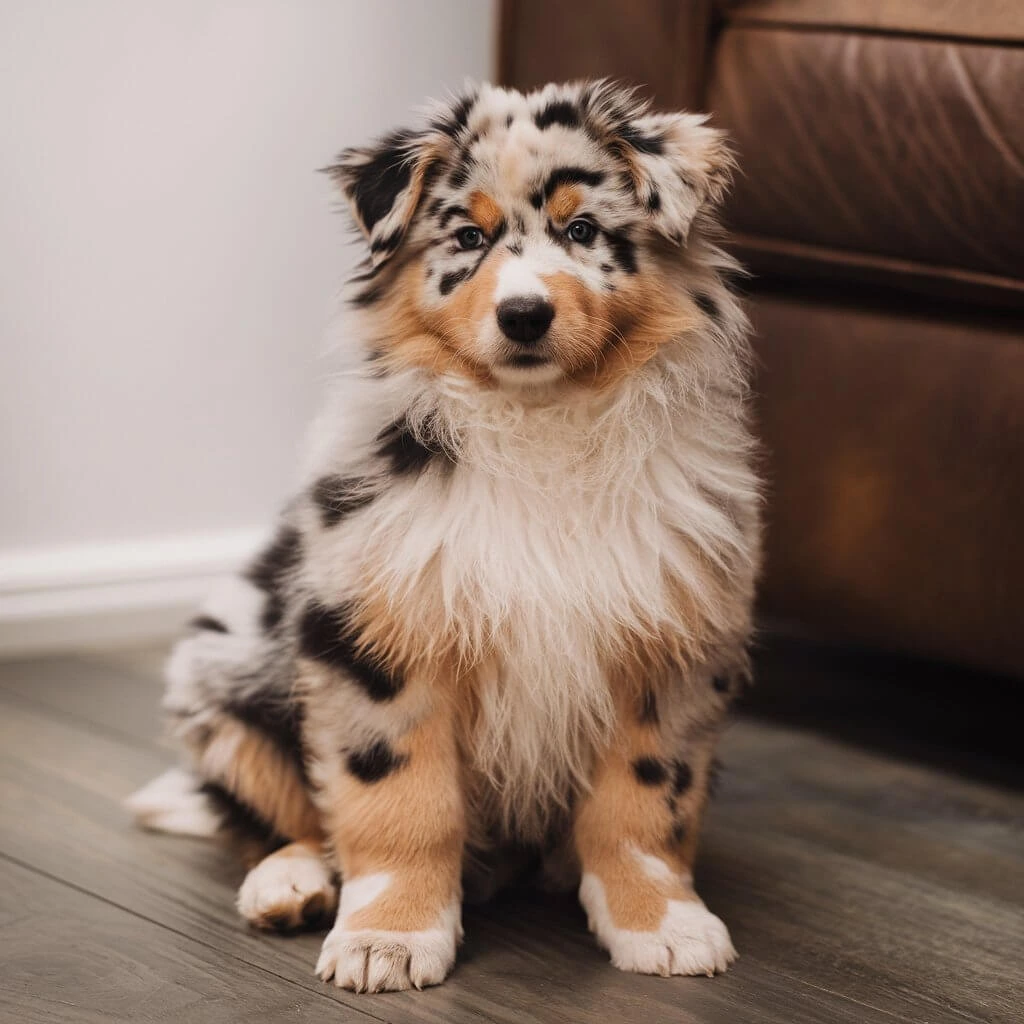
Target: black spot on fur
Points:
(509, 120)
(450, 280)
(368, 296)
(678, 832)
(460, 175)
(271, 570)
(515, 248)
(648, 708)
(721, 684)
(570, 176)
(408, 452)
(649, 771)
(452, 211)
(339, 496)
(326, 635)
(208, 623)
(275, 714)
(388, 242)
(374, 763)
(639, 141)
(653, 203)
(455, 120)
(607, 268)
(623, 252)
(368, 273)
(377, 183)
(239, 820)
(707, 305)
(277, 560)
(558, 112)
(536, 200)
(682, 777)
(430, 175)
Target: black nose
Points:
(525, 319)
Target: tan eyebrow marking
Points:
(564, 202)
(485, 212)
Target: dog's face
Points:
(523, 240)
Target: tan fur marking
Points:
(620, 817)
(410, 824)
(602, 337)
(438, 341)
(252, 768)
(564, 202)
(485, 212)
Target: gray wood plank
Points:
(529, 958)
(858, 887)
(69, 958)
(116, 697)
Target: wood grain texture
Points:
(861, 884)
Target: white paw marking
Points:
(172, 803)
(689, 940)
(655, 868)
(388, 961)
(287, 891)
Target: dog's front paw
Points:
(370, 960)
(689, 939)
(291, 888)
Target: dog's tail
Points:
(229, 697)
(176, 802)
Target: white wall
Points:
(168, 263)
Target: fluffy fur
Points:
(510, 602)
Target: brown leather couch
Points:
(881, 209)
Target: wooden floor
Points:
(866, 849)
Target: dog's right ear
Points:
(383, 184)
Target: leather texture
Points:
(900, 149)
(895, 460)
(994, 20)
(659, 45)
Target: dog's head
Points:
(523, 240)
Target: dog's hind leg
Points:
(230, 701)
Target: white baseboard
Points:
(59, 599)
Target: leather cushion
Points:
(880, 147)
(965, 19)
(895, 464)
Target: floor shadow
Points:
(950, 718)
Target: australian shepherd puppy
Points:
(509, 604)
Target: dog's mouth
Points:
(526, 360)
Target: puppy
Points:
(510, 602)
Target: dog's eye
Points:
(469, 238)
(581, 231)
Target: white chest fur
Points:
(554, 533)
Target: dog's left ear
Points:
(383, 184)
(677, 165)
